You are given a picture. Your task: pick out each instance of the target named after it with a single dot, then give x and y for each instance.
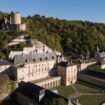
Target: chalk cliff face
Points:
(4, 92)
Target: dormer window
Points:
(33, 60)
(40, 59)
(26, 61)
(46, 58)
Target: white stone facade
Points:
(34, 71)
(100, 57)
(15, 22)
(20, 39)
(68, 74)
(15, 18)
(103, 66)
(38, 47)
(23, 27)
(84, 65)
(52, 82)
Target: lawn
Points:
(96, 69)
(91, 100)
(86, 89)
(84, 100)
(65, 90)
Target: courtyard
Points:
(86, 95)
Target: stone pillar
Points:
(56, 83)
(53, 84)
(48, 85)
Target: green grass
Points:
(86, 89)
(65, 90)
(91, 100)
(11, 86)
(96, 69)
(84, 100)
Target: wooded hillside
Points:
(63, 35)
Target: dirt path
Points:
(77, 94)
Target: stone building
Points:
(15, 22)
(100, 58)
(85, 64)
(34, 66)
(68, 73)
(38, 47)
(50, 82)
(31, 94)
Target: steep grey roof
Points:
(5, 62)
(34, 92)
(34, 57)
(29, 90)
(65, 64)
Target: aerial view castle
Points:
(38, 70)
(13, 22)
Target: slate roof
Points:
(5, 62)
(33, 57)
(65, 64)
(30, 90)
(33, 92)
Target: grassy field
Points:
(84, 100)
(86, 89)
(65, 90)
(96, 69)
(91, 100)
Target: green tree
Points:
(55, 101)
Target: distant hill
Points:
(77, 36)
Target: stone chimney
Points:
(97, 50)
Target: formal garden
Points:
(86, 95)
